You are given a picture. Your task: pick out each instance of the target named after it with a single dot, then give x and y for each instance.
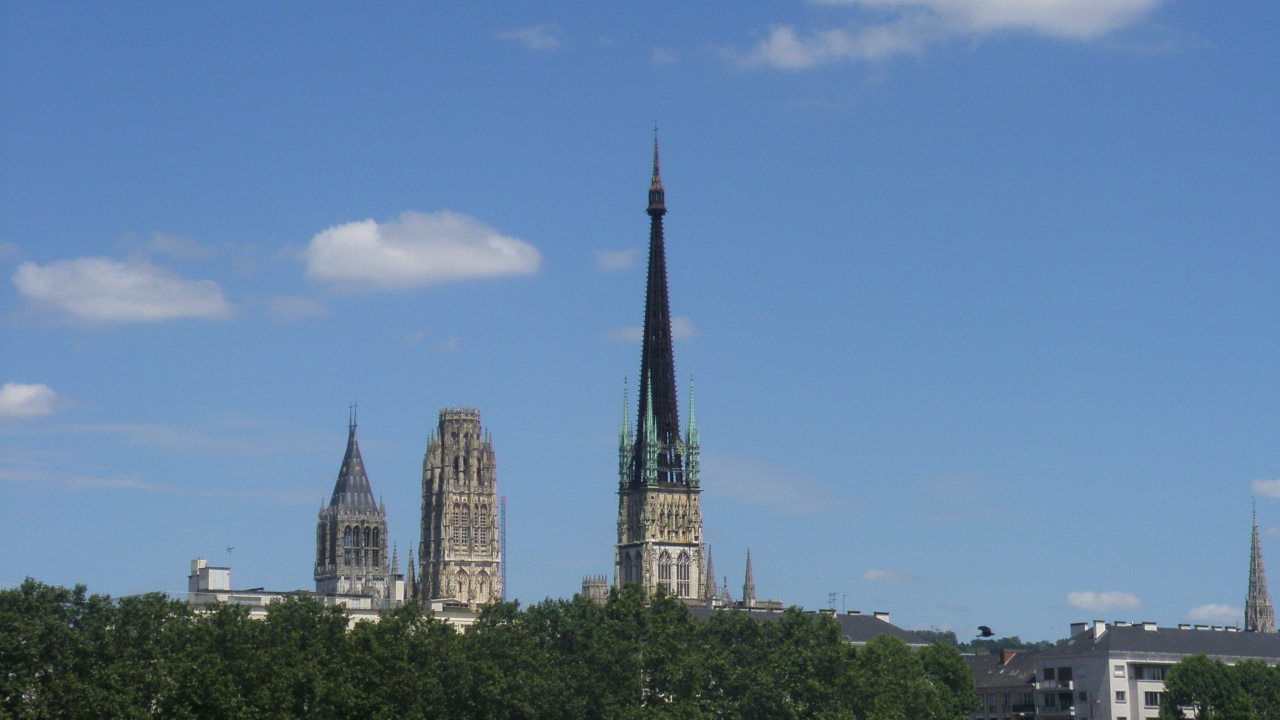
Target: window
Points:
(991, 703)
(1048, 673)
(1149, 672)
(466, 524)
(664, 571)
(1119, 671)
(1151, 699)
(1064, 673)
(1082, 696)
(1120, 696)
(1050, 701)
(682, 575)
(1024, 699)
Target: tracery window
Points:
(349, 543)
(664, 570)
(482, 525)
(457, 525)
(682, 575)
(466, 524)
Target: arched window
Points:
(664, 571)
(460, 586)
(457, 525)
(682, 575)
(482, 587)
(482, 525)
(375, 552)
(466, 524)
(349, 544)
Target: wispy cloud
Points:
(885, 576)
(682, 328)
(179, 246)
(1267, 488)
(761, 483)
(611, 260)
(662, 56)
(289, 308)
(414, 250)
(1272, 532)
(21, 401)
(913, 25)
(543, 36)
(1213, 613)
(1103, 601)
(449, 346)
(102, 290)
(70, 481)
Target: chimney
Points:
(1099, 628)
(1184, 626)
(1148, 625)
(882, 615)
(1077, 628)
(853, 612)
(1006, 656)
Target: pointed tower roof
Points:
(1258, 615)
(749, 585)
(711, 590)
(657, 362)
(352, 489)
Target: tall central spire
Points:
(1258, 615)
(657, 363)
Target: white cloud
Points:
(289, 308)
(885, 576)
(1267, 488)
(682, 328)
(105, 290)
(449, 346)
(1103, 601)
(610, 260)
(1272, 531)
(543, 36)
(786, 49)
(760, 483)
(1212, 613)
(413, 250)
(19, 400)
(915, 24)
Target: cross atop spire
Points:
(1258, 615)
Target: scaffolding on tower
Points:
(502, 547)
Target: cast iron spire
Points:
(749, 586)
(1258, 616)
(657, 364)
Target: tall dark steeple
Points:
(657, 361)
(659, 506)
(1258, 616)
(749, 585)
(351, 533)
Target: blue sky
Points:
(978, 295)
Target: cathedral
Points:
(659, 500)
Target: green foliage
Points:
(984, 646)
(67, 654)
(1249, 690)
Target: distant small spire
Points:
(624, 431)
(711, 589)
(1258, 615)
(749, 586)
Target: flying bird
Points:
(984, 631)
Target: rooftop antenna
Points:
(229, 549)
(502, 547)
(831, 600)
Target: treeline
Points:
(66, 654)
(1213, 690)
(985, 646)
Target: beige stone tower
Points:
(659, 498)
(459, 556)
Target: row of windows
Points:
(631, 571)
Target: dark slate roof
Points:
(1172, 641)
(856, 629)
(352, 489)
(989, 673)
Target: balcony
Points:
(1055, 685)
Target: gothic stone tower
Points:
(459, 555)
(659, 503)
(1258, 616)
(351, 534)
